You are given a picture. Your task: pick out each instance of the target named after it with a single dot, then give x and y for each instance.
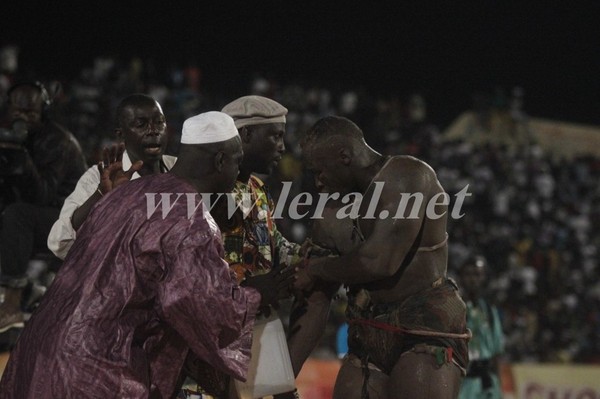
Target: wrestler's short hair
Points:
(131, 100)
(331, 126)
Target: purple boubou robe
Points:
(137, 291)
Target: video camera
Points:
(13, 161)
(13, 154)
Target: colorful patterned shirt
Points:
(254, 245)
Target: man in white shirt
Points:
(141, 126)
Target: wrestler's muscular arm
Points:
(308, 320)
(390, 239)
(310, 312)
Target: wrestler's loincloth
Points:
(432, 321)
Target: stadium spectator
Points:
(52, 162)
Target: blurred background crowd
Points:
(533, 213)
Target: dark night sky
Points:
(446, 50)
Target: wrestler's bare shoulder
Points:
(406, 168)
(406, 163)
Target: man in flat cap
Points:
(253, 245)
(143, 285)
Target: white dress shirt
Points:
(63, 234)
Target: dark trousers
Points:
(24, 232)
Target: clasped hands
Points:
(272, 286)
(282, 283)
(313, 255)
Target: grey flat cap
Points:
(255, 110)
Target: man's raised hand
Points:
(111, 170)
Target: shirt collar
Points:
(127, 165)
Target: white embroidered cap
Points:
(208, 127)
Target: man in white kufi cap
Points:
(143, 286)
(209, 127)
(253, 244)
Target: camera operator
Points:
(47, 170)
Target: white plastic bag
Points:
(270, 369)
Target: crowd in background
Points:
(535, 218)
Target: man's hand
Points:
(304, 282)
(111, 170)
(310, 249)
(272, 286)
